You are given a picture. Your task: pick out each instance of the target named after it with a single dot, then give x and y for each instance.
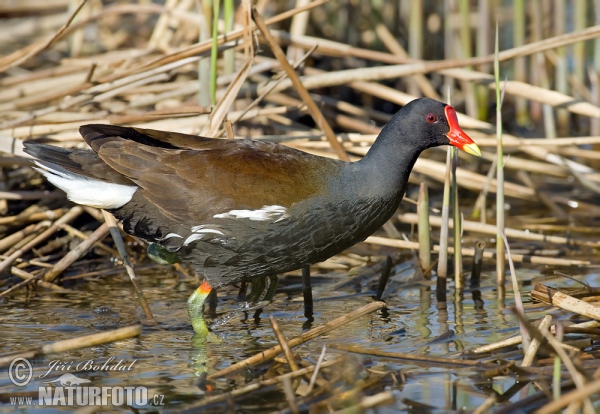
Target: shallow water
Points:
(166, 360)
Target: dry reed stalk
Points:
(476, 227)
(289, 395)
(198, 48)
(467, 251)
(33, 217)
(574, 396)
(111, 222)
(465, 178)
(262, 383)
(516, 340)
(371, 401)
(217, 116)
(357, 349)
(75, 343)
(567, 302)
(442, 270)
(313, 378)
(466, 122)
(396, 48)
(415, 40)
(283, 344)
(313, 333)
(297, 28)
(543, 196)
(16, 237)
(535, 343)
(423, 221)
(529, 92)
(67, 218)
(395, 71)
(76, 253)
(500, 187)
(299, 87)
(21, 56)
(79, 234)
(33, 278)
(458, 263)
(560, 352)
(486, 405)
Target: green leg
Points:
(259, 285)
(161, 255)
(195, 306)
(273, 283)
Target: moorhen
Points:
(241, 209)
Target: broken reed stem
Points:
(517, 296)
(477, 262)
(307, 336)
(313, 378)
(283, 344)
(116, 235)
(75, 343)
(424, 234)
(500, 265)
(575, 305)
(289, 395)
(299, 87)
(535, 343)
(442, 270)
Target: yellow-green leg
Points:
(195, 306)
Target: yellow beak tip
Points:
(472, 149)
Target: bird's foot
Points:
(161, 255)
(195, 306)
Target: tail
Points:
(81, 174)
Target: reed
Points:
(424, 233)
(500, 263)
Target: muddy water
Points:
(166, 361)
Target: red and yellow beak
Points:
(457, 136)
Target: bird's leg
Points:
(259, 285)
(161, 255)
(307, 292)
(273, 283)
(195, 306)
(256, 300)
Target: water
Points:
(166, 361)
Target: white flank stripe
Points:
(266, 213)
(201, 229)
(87, 191)
(199, 232)
(171, 235)
(192, 238)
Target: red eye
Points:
(431, 118)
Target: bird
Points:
(238, 209)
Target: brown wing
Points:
(192, 185)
